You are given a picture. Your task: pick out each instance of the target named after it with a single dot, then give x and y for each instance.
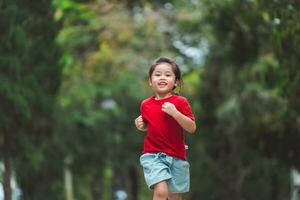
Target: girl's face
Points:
(163, 80)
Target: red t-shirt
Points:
(164, 133)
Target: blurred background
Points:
(73, 74)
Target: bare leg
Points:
(174, 196)
(161, 191)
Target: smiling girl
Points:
(165, 116)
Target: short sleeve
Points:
(142, 111)
(186, 109)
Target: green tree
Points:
(30, 77)
(286, 43)
(244, 106)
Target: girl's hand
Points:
(169, 108)
(140, 124)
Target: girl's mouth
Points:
(162, 84)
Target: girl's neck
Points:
(158, 96)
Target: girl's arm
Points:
(185, 122)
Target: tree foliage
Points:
(240, 65)
(29, 80)
(245, 134)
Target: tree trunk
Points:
(68, 183)
(134, 179)
(275, 186)
(96, 187)
(7, 166)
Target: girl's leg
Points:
(161, 191)
(174, 196)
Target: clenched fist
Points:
(140, 124)
(170, 109)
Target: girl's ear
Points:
(150, 82)
(176, 83)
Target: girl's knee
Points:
(161, 190)
(174, 196)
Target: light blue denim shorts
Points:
(160, 166)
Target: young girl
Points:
(164, 116)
